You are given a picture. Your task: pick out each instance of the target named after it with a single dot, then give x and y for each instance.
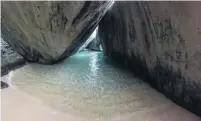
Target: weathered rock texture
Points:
(46, 32)
(160, 42)
(10, 59)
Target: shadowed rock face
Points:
(161, 43)
(46, 32)
(9, 58)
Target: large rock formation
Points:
(161, 43)
(46, 32)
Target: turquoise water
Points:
(88, 84)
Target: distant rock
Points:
(95, 44)
(49, 31)
(92, 42)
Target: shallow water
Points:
(90, 85)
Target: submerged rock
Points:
(4, 85)
(46, 32)
(161, 43)
(10, 59)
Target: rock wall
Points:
(161, 43)
(46, 32)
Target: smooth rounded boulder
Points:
(47, 32)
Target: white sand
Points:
(84, 87)
(18, 106)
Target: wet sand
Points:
(87, 87)
(18, 106)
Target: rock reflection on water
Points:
(87, 84)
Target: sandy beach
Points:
(99, 93)
(18, 106)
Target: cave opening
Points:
(92, 43)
